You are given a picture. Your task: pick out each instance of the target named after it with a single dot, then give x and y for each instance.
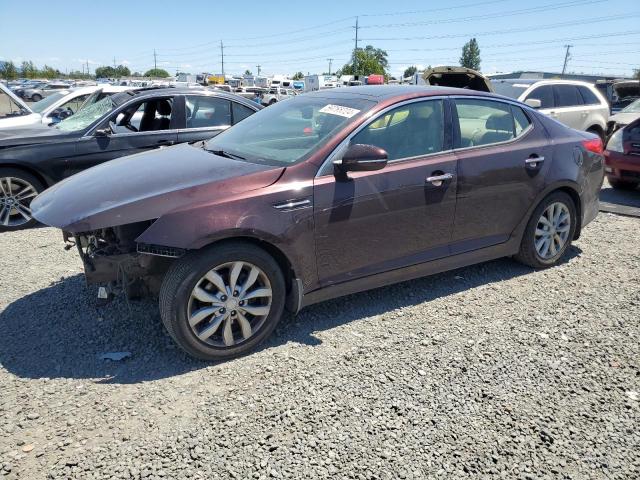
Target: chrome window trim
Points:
(343, 144)
(202, 129)
(119, 135)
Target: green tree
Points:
(136, 74)
(123, 71)
(248, 73)
(369, 60)
(636, 73)
(28, 70)
(470, 57)
(409, 71)
(156, 72)
(298, 76)
(8, 71)
(105, 72)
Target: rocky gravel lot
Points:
(492, 371)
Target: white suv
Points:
(578, 105)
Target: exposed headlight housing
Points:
(615, 142)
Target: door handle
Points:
(437, 180)
(532, 162)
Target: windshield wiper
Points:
(222, 153)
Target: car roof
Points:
(123, 97)
(384, 92)
(546, 81)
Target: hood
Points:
(627, 89)
(458, 77)
(32, 134)
(146, 186)
(14, 97)
(624, 118)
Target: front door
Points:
(501, 168)
(382, 220)
(136, 128)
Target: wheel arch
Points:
(28, 169)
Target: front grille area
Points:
(160, 250)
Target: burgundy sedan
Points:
(324, 195)
(622, 157)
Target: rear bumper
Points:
(622, 167)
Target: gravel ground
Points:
(492, 371)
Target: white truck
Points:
(319, 82)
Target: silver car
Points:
(577, 104)
(38, 92)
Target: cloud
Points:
(125, 62)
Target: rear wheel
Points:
(549, 232)
(17, 190)
(598, 132)
(273, 100)
(222, 302)
(622, 184)
(36, 97)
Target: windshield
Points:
(86, 116)
(43, 104)
(288, 132)
(508, 89)
(632, 107)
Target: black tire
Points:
(528, 253)
(187, 271)
(622, 184)
(36, 97)
(598, 132)
(273, 100)
(24, 177)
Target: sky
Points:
(286, 37)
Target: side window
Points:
(588, 96)
(240, 112)
(148, 116)
(543, 93)
(520, 120)
(483, 122)
(75, 103)
(411, 130)
(567, 96)
(205, 112)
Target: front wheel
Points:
(549, 232)
(17, 190)
(36, 98)
(223, 301)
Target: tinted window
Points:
(588, 97)
(520, 120)
(543, 93)
(240, 112)
(567, 96)
(208, 112)
(483, 122)
(408, 131)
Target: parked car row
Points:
(329, 193)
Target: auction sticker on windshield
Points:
(339, 110)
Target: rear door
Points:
(207, 116)
(394, 217)
(503, 155)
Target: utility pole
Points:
(567, 56)
(330, 60)
(222, 55)
(258, 67)
(155, 60)
(355, 52)
(114, 62)
(88, 68)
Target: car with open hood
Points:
(624, 117)
(622, 157)
(13, 111)
(35, 157)
(326, 194)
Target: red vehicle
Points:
(622, 157)
(327, 194)
(375, 80)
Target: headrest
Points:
(163, 107)
(423, 111)
(499, 121)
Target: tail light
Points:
(593, 145)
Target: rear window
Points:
(509, 89)
(567, 96)
(588, 97)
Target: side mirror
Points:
(533, 102)
(102, 132)
(361, 158)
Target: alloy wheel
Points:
(552, 230)
(229, 304)
(15, 200)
